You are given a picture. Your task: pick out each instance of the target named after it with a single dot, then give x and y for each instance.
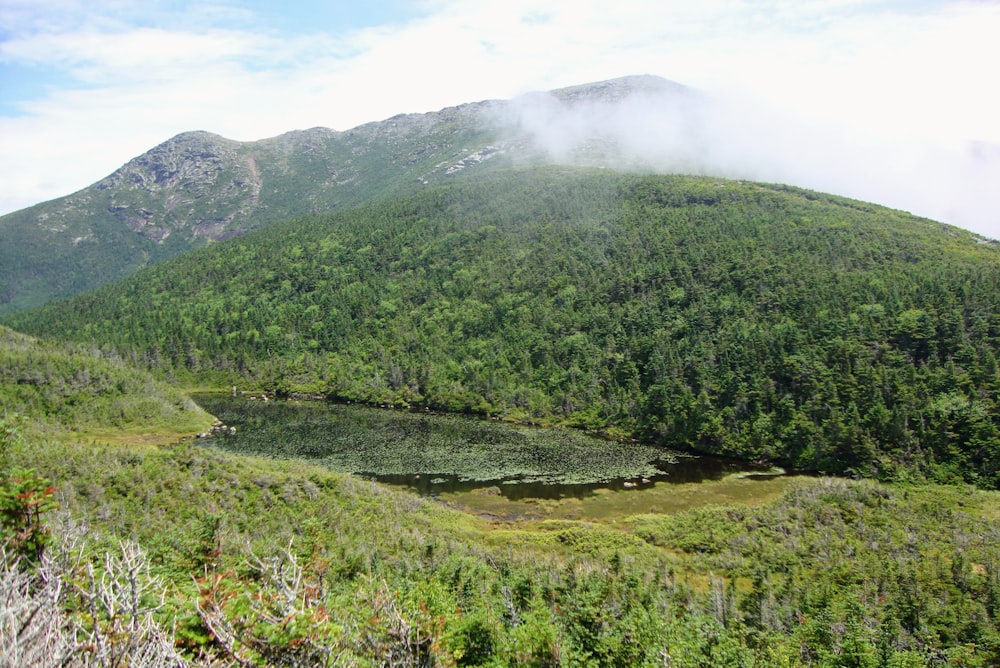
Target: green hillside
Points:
(743, 319)
(198, 187)
(733, 317)
(68, 391)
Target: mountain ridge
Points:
(198, 187)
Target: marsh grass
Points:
(615, 504)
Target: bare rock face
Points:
(196, 185)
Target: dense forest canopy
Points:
(726, 317)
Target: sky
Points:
(891, 101)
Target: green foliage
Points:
(855, 573)
(741, 319)
(78, 389)
(303, 565)
(10, 435)
(703, 339)
(25, 498)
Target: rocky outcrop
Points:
(195, 185)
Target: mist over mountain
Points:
(198, 187)
(663, 127)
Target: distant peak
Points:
(621, 87)
(196, 135)
(192, 140)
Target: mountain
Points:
(199, 187)
(735, 318)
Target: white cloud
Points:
(885, 95)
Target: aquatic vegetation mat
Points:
(401, 446)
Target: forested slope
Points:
(71, 390)
(737, 318)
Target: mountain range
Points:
(198, 187)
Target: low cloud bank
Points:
(668, 128)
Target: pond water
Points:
(456, 456)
